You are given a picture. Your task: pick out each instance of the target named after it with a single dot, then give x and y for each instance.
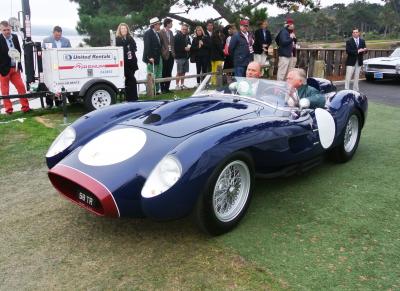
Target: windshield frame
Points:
(395, 53)
(276, 106)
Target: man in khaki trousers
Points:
(286, 40)
(355, 49)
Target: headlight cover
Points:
(63, 141)
(112, 147)
(164, 176)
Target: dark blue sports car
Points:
(200, 155)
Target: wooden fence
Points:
(333, 62)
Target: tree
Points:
(97, 17)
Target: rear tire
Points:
(349, 139)
(226, 196)
(99, 96)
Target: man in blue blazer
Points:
(355, 49)
(56, 40)
(241, 48)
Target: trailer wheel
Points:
(99, 96)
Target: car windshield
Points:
(396, 53)
(273, 93)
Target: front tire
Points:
(99, 96)
(227, 195)
(349, 139)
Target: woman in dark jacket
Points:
(124, 39)
(200, 51)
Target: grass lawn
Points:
(334, 228)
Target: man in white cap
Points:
(152, 50)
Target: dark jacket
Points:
(239, 49)
(285, 43)
(217, 47)
(152, 47)
(352, 52)
(259, 40)
(204, 51)
(5, 60)
(129, 46)
(181, 41)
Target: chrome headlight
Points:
(63, 141)
(398, 67)
(164, 176)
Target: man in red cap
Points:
(241, 48)
(10, 68)
(286, 41)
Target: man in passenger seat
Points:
(297, 79)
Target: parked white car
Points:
(383, 67)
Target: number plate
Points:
(378, 75)
(87, 199)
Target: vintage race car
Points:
(383, 68)
(168, 159)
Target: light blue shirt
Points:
(58, 43)
(10, 44)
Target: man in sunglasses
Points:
(10, 67)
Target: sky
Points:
(64, 13)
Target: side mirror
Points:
(304, 103)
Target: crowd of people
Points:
(208, 48)
(212, 47)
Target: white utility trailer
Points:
(93, 75)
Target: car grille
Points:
(377, 67)
(79, 195)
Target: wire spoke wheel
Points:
(231, 191)
(351, 133)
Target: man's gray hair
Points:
(301, 74)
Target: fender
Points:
(93, 123)
(200, 153)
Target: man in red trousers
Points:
(10, 68)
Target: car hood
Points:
(182, 117)
(383, 61)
